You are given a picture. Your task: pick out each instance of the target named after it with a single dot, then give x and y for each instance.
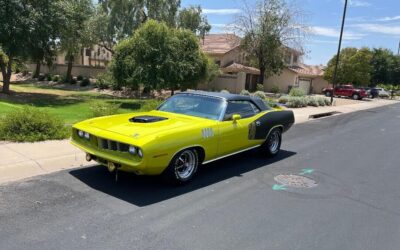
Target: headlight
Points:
(140, 153)
(87, 135)
(80, 133)
(132, 150)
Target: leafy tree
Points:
(191, 18)
(269, 27)
(354, 67)
(385, 67)
(158, 56)
(76, 33)
(118, 19)
(15, 28)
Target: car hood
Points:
(126, 125)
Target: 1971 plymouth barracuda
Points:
(187, 130)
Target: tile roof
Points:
(308, 70)
(219, 43)
(236, 67)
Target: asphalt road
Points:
(232, 204)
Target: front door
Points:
(234, 135)
(305, 85)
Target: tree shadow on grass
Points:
(146, 190)
(39, 99)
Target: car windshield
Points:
(194, 105)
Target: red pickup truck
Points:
(345, 90)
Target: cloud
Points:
(221, 11)
(331, 32)
(379, 28)
(389, 18)
(358, 3)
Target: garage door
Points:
(305, 84)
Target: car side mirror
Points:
(236, 117)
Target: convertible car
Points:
(187, 130)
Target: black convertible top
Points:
(230, 97)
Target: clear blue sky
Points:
(371, 23)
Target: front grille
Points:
(113, 145)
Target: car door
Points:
(234, 134)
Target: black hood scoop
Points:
(147, 119)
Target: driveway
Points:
(234, 203)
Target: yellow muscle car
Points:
(187, 130)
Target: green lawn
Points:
(71, 106)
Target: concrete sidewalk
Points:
(23, 160)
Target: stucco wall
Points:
(61, 69)
(283, 81)
(318, 84)
(232, 83)
(234, 55)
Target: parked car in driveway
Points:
(379, 92)
(345, 90)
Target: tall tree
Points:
(354, 67)
(268, 27)
(15, 29)
(77, 33)
(158, 56)
(191, 18)
(118, 19)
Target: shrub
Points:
(150, 105)
(321, 101)
(31, 124)
(79, 78)
(73, 81)
(260, 87)
(56, 78)
(327, 101)
(104, 81)
(104, 109)
(297, 92)
(283, 99)
(297, 102)
(85, 82)
(48, 77)
(244, 92)
(275, 89)
(312, 101)
(225, 91)
(260, 94)
(41, 78)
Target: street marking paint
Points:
(277, 187)
(307, 171)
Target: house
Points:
(297, 74)
(226, 51)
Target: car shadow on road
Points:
(146, 190)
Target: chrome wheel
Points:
(185, 165)
(274, 141)
(356, 97)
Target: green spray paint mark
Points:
(307, 171)
(278, 187)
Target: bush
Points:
(31, 124)
(41, 78)
(56, 78)
(297, 102)
(104, 81)
(297, 92)
(275, 89)
(244, 92)
(260, 87)
(225, 91)
(150, 105)
(327, 101)
(260, 94)
(79, 78)
(49, 77)
(312, 101)
(104, 109)
(283, 99)
(73, 81)
(85, 82)
(321, 101)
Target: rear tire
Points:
(182, 167)
(356, 97)
(272, 144)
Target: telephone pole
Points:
(338, 52)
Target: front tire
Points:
(272, 144)
(182, 167)
(356, 97)
(328, 94)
